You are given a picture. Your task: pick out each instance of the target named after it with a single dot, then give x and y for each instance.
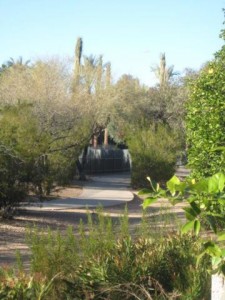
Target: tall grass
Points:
(104, 260)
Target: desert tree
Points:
(163, 73)
(41, 125)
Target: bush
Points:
(153, 152)
(27, 161)
(21, 155)
(205, 119)
(106, 262)
(13, 173)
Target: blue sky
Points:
(129, 33)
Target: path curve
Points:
(101, 190)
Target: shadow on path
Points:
(103, 190)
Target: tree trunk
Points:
(106, 137)
(81, 165)
(95, 141)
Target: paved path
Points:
(182, 172)
(103, 190)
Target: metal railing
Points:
(106, 160)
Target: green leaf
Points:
(216, 183)
(181, 187)
(213, 185)
(195, 207)
(157, 187)
(200, 187)
(216, 261)
(197, 226)
(221, 201)
(212, 249)
(199, 257)
(190, 213)
(148, 201)
(221, 236)
(187, 227)
(174, 180)
(212, 222)
(172, 184)
(219, 148)
(222, 269)
(144, 191)
(162, 194)
(221, 181)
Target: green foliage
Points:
(134, 104)
(33, 155)
(149, 121)
(154, 152)
(45, 124)
(51, 252)
(206, 205)
(205, 119)
(14, 286)
(14, 127)
(104, 261)
(21, 155)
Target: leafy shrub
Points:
(153, 152)
(205, 206)
(31, 158)
(13, 174)
(205, 119)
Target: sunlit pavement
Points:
(102, 190)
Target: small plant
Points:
(205, 205)
(14, 286)
(52, 252)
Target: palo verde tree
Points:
(43, 130)
(150, 121)
(141, 118)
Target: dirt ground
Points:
(12, 232)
